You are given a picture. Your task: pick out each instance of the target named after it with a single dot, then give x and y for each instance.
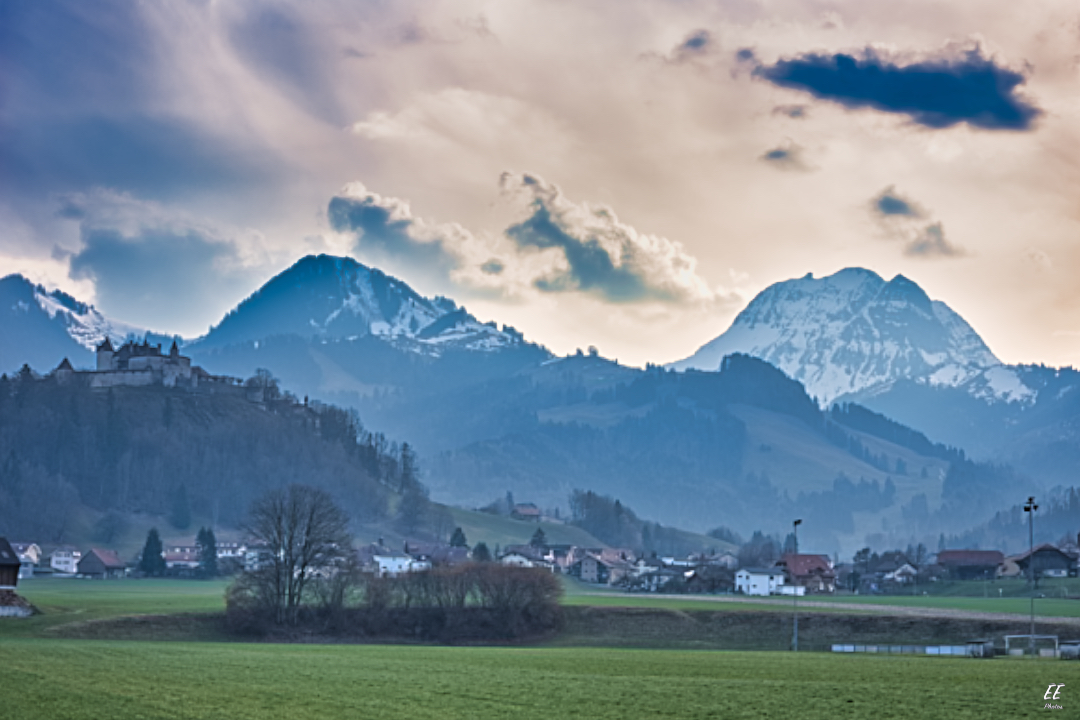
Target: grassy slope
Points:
(241, 682)
(495, 530)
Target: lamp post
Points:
(1030, 509)
(795, 589)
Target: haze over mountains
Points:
(734, 442)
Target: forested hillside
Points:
(65, 447)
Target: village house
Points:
(29, 558)
(101, 564)
(813, 572)
(598, 569)
(1049, 561)
(759, 581)
(65, 559)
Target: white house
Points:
(394, 564)
(760, 581)
(65, 559)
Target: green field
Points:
(119, 680)
(63, 601)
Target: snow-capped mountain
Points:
(42, 327)
(853, 333)
(336, 298)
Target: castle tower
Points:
(105, 354)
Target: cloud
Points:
(936, 93)
(696, 44)
(385, 229)
(931, 243)
(597, 254)
(153, 267)
(795, 112)
(787, 156)
(288, 53)
(904, 220)
(889, 202)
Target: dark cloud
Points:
(591, 268)
(746, 55)
(931, 243)
(903, 220)
(697, 44)
(936, 93)
(384, 228)
(285, 52)
(80, 108)
(788, 156)
(796, 112)
(155, 157)
(696, 41)
(493, 267)
(598, 254)
(889, 202)
(160, 276)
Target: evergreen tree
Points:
(207, 553)
(481, 553)
(539, 539)
(152, 561)
(457, 539)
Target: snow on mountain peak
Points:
(851, 332)
(337, 297)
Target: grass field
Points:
(299, 682)
(63, 601)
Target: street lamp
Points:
(795, 588)
(1030, 509)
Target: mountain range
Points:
(491, 412)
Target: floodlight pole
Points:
(795, 590)
(1030, 509)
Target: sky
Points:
(624, 174)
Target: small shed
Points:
(9, 566)
(981, 648)
(1069, 649)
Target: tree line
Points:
(308, 578)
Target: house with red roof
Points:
(813, 572)
(103, 564)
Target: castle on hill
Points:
(138, 364)
(143, 364)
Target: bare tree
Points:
(306, 534)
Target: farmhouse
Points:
(1049, 561)
(526, 511)
(971, 564)
(101, 564)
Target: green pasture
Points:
(121, 680)
(68, 600)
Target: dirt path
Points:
(899, 610)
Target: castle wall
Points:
(117, 378)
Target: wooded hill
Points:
(160, 451)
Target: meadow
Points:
(239, 680)
(122, 680)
